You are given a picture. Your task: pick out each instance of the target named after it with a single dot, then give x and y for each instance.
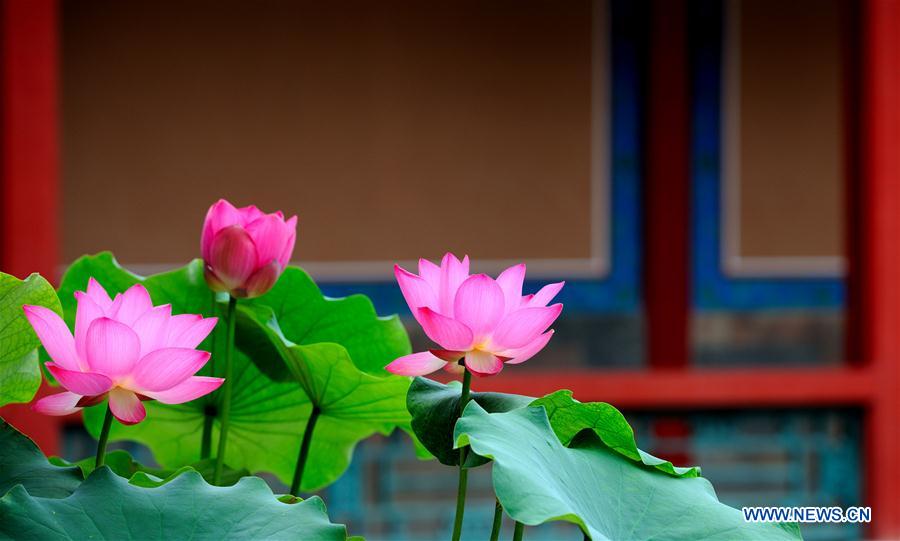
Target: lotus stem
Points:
(104, 437)
(206, 438)
(208, 416)
(519, 532)
(463, 472)
(498, 520)
(466, 384)
(304, 451)
(226, 390)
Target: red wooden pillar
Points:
(880, 258)
(667, 188)
(29, 162)
(666, 204)
(30, 145)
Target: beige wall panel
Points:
(785, 179)
(393, 129)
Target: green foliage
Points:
(611, 497)
(555, 458)
(559, 459)
(302, 338)
(266, 419)
(307, 317)
(122, 464)
(569, 417)
(352, 404)
(20, 373)
(107, 506)
(22, 463)
(435, 408)
(41, 501)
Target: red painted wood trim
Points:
(30, 142)
(29, 162)
(46, 431)
(880, 302)
(667, 189)
(696, 389)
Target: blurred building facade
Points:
(713, 178)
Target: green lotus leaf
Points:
(434, 408)
(107, 506)
(266, 419)
(20, 373)
(268, 414)
(22, 463)
(609, 496)
(352, 404)
(122, 464)
(569, 417)
(294, 312)
(151, 478)
(306, 317)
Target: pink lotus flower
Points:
(488, 322)
(125, 349)
(245, 250)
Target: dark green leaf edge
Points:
(434, 408)
(107, 506)
(22, 463)
(122, 464)
(569, 417)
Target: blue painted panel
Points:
(620, 290)
(713, 290)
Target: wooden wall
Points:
(393, 129)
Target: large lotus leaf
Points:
(569, 417)
(306, 317)
(20, 373)
(611, 497)
(22, 463)
(434, 408)
(107, 506)
(352, 404)
(267, 417)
